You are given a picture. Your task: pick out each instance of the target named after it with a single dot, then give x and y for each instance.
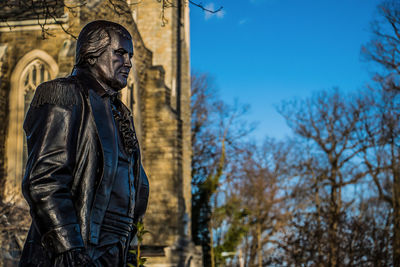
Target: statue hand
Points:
(131, 259)
(73, 257)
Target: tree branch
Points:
(200, 5)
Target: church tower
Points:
(168, 39)
(158, 93)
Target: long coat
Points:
(72, 161)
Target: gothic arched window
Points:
(33, 69)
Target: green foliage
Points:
(236, 231)
(141, 231)
(218, 132)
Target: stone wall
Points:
(159, 99)
(18, 44)
(169, 40)
(4, 85)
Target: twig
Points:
(118, 8)
(200, 5)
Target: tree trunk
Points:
(333, 229)
(259, 245)
(211, 243)
(396, 213)
(241, 260)
(319, 243)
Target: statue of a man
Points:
(84, 180)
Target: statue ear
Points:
(91, 61)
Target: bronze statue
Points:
(84, 180)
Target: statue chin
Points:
(118, 85)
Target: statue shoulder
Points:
(61, 91)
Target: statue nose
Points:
(127, 61)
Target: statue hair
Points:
(94, 39)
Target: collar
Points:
(88, 80)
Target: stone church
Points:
(158, 93)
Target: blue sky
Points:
(262, 52)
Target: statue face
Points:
(113, 65)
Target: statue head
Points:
(105, 49)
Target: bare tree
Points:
(380, 137)
(364, 235)
(259, 184)
(218, 131)
(45, 12)
(381, 128)
(48, 12)
(327, 124)
(384, 48)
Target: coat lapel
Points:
(103, 118)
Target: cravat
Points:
(125, 128)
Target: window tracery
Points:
(31, 70)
